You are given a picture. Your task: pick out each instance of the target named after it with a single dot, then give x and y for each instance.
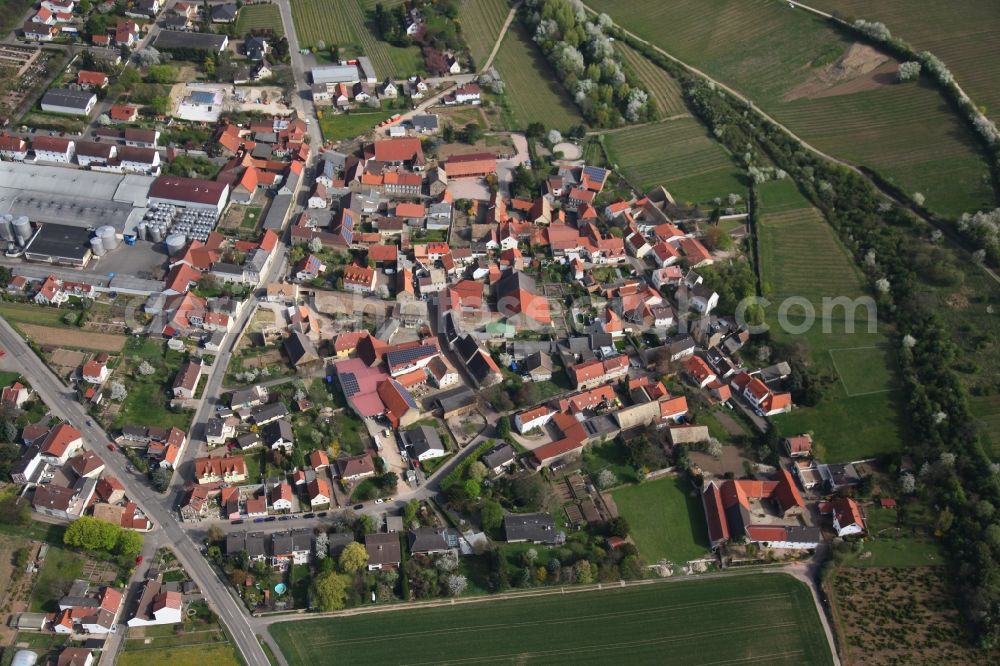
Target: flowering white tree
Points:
(322, 546)
(714, 448)
(555, 136)
(457, 585)
(908, 71)
(146, 369)
(907, 483)
(918, 198)
(118, 391)
(606, 479)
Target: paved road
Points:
(216, 375)
(302, 94)
(63, 404)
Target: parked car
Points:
(308, 515)
(270, 519)
(237, 522)
(139, 560)
(380, 501)
(358, 506)
(111, 447)
(258, 520)
(321, 514)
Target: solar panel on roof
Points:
(410, 402)
(349, 383)
(597, 173)
(403, 356)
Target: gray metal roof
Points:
(335, 74)
(76, 99)
(277, 212)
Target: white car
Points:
(380, 501)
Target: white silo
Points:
(175, 244)
(108, 236)
(97, 246)
(22, 230)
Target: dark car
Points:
(270, 519)
(285, 518)
(236, 522)
(358, 506)
(321, 514)
(258, 520)
(309, 515)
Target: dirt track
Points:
(65, 337)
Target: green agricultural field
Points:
(217, 654)
(27, 313)
(678, 154)
(664, 623)
(837, 95)
(665, 520)
(666, 92)
(342, 126)
(986, 409)
(802, 258)
(532, 92)
(966, 40)
(260, 17)
(482, 21)
(345, 24)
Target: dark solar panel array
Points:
(411, 403)
(349, 383)
(597, 173)
(403, 356)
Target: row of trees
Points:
(585, 60)
(941, 423)
(96, 535)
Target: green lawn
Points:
(532, 94)
(802, 258)
(216, 654)
(903, 551)
(340, 126)
(666, 522)
(678, 154)
(352, 432)
(28, 313)
(252, 215)
(259, 17)
(60, 569)
(610, 455)
(146, 403)
(717, 621)
(986, 410)
(299, 579)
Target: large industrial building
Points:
(59, 244)
(73, 197)
(73, 102)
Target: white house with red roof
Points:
(530, 419)
(62, 443)
(760, 396)
(699, 371)
(156, 606)
(13, 147)
(51, 292)
(15, 395)
(847, 518)
(95, 371)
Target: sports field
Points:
(802, 258)
(481, 24)
(665, 520)
(678, 154)
(345, 24)
(967, 40)
(666, 92)
(835, 94)
(754, 619)
(259, 17)
(532, 94)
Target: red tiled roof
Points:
(847, 512)
(398, 150)
(59, 439)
